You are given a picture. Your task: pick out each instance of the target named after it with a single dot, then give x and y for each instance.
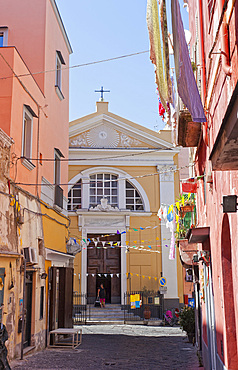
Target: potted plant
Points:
(147, 313)
(187, 322)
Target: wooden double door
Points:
(102, 261)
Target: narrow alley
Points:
(120, 347)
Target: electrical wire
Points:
(100, 158)
(118, 179)
(77, 65)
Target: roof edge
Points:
(61, 25)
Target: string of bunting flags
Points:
(171, 215)
(117, 275)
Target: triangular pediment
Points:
(106, 136)
(111, 131)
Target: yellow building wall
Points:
(55, 228)
(11, 309)
(138, 262)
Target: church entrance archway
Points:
(104, 266)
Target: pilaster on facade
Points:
(167, 197)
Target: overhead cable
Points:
(77, 65)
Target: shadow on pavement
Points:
(100, 351)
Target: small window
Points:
(41, 247)
(41, 302)
(133, 198)
(27, 134)
(58, 74)
(3, 36)
(189, 275)
(57, 168)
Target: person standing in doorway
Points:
(102, 295)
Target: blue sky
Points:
(105, 29)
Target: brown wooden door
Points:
(104, 261)
(65, 297)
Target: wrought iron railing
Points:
(81, 311)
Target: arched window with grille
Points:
(103, 185)
(74, 197)
(93, 184)
(133, 199)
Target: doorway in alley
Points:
(103, 266)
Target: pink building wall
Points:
(223, 227)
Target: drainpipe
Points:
(202, 49)
(38, 152)
(204, 82)
(224, 42)
(23, 306)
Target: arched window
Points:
(133, 198)
(103, 185)
(88, 187)
(74, 197)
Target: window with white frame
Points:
(103, 185)
(133, 198)
(27, 133)
(3, 36)
(74, 197)
(88, 193)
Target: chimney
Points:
(102, 106)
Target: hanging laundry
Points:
(160, 213)
(187, 87)
(161, 109)
(164, 31)
(152, 18)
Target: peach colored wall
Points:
(56, 125)
(44, 37)
(26, 23)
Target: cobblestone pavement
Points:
(120, 347)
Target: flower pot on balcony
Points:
(185, 209)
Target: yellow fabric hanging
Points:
(152, 18)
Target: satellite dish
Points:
(188, 37)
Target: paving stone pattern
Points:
(120, 347)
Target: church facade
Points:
(119, 175)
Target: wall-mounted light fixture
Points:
(43, 275)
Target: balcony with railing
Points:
(186, 222)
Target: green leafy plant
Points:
(187, 319)
(194, 66)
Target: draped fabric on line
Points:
(152, 18)
(165, 38)
(187, 87)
